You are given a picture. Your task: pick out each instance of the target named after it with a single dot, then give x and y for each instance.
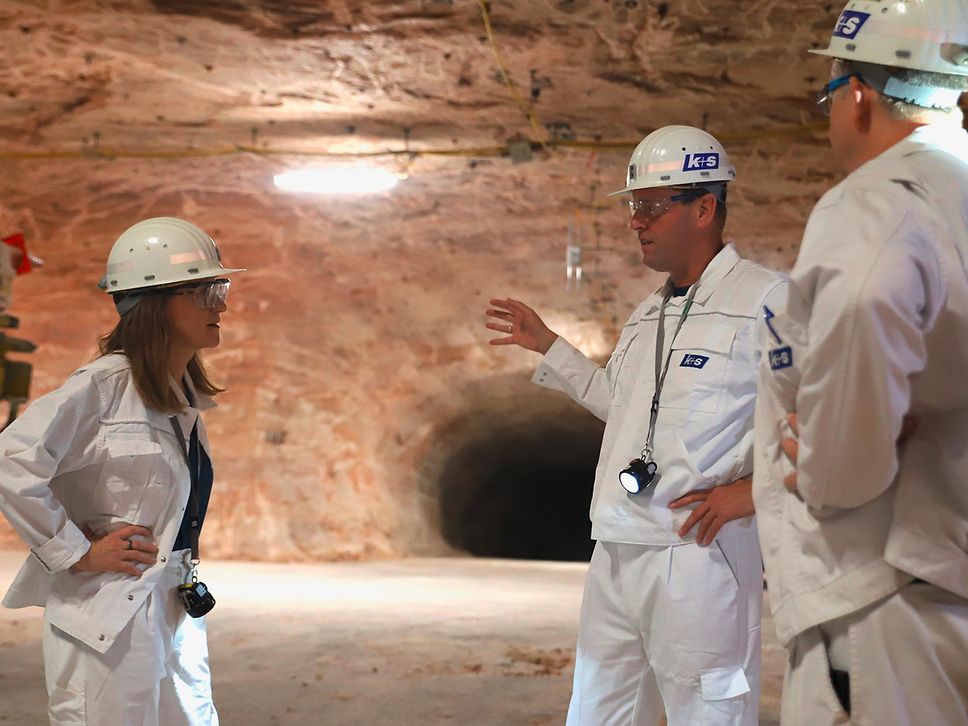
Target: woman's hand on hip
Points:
(118, 551)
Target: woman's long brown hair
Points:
(143, 336)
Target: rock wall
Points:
(354, 352)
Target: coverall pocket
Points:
(698, 368)
(66, 708)
(131, 466)
(621, 376)
(122, 446)
(728, 559)
(723, 690)
(829, 688)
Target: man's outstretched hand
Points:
(520, 324)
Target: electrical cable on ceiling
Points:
(524, 105)
(102, 153)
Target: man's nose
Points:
(637, 221)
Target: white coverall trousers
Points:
(671, 631)
(908, 665)
(155, 674)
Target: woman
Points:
(102, 477)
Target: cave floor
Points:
(418, 641)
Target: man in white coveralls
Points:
(866, 543)
(670, 619)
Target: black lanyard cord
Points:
(193, 502)
(660, 369)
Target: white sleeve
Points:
(55, 435)
(875, 286)
(565, 368)
(773, 304)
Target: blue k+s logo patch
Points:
(690, 360)
(698, 162)
(781, 358)
(849, 24)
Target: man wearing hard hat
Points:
(866, 541)
(670, 618)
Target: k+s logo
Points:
(781, 358)
(849, 24)
(690, 360)
(698, 162)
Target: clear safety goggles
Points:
(210, 294)
(825, 94)
(652, 209)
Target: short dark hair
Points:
(900, 108)
(718, 190)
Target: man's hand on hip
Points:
(716, 507)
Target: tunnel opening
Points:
(523, 492)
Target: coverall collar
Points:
(720, 265)
(202, 401)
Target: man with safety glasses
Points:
(866, 540)
(670, 616)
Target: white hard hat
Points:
(677, 156)
(162, 251)
(923, 35)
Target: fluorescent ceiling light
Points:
(335, 180)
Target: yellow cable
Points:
(525, 106)
(108, 153)
(101, 153)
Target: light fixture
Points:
(337, 180)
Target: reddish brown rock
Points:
(354, 354)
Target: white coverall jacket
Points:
(876, 328)
(704, 431)
(669, 628)
(91, 454)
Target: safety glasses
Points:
(210, 294)
(652, 209)
(825, 94)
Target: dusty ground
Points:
(422, 641)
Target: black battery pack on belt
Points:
(196, 598)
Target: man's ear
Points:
(862, 98)
(705, 210)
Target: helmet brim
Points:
(825, 52)
(180, 281)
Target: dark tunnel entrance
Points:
(523, 492)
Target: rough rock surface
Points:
(353, 350)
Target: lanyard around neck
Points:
(662, 369)
(193, 501)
